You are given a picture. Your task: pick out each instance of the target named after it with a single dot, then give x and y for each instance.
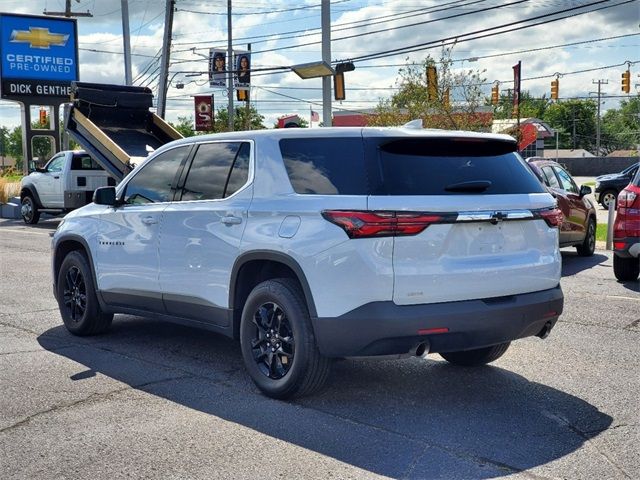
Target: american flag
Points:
(314, 116)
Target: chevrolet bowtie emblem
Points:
(39, 37)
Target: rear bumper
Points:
(631, 247)
(384, 328)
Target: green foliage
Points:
(184, 126)
(243, 119)
(530, 106)
(621, 127)
(562, 116)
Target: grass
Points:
(601, 232)
(8, 189)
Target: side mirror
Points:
(585, 190)
(105, 196)
(41, 170)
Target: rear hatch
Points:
(471, 221)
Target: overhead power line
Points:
(261, 12)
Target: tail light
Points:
(627, 223)
(553, 217)
(360, 224)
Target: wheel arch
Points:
(30, 190)
(254, 267)
(63, 247)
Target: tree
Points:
(243, 119)
(621, 127)
(530, 106)
(573, 115)
(184, 126)
(455, 102)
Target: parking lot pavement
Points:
(158, 400)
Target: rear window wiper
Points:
(471, 186)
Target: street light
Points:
(313, 70)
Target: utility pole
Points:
(600, 83)
(127, 42)
(574, 127)
(326, 57)
(68, 13)
(164, 65)
(230, 68)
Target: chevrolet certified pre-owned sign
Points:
(39, 56)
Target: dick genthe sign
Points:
(39, 56)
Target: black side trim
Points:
(140, 300)
(275, 257)
(195, 308)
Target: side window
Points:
(209, 172)
(550, 177)
(153, 182)
(565, 179)
(239, 172)
(56, 164)
(84, 162)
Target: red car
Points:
(579, 223)
(626, 232)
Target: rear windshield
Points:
(406, 166)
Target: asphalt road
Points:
(156, 400)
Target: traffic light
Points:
(555, 89)
(242, 95)
(43, 116)
(495, 95)
(626, 81)
(338, 86)
(432, 83)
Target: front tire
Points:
(586, 248)
(479, 356)
(77, 298)
(278, 343)
(626, 268)
(608, 199)
(29, 210)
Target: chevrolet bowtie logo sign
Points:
(39, 38)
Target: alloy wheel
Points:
(272, 345)
(75, 294)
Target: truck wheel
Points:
(608, 198)
(277, 341)
(29, 210)
(586, 248)
(77, 299)
(626, 268)
(480, 356)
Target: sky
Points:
(579, 49)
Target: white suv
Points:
(312, 244)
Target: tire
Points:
(608, 197)
(277, 341)
(586, 248)
(29, 210)
(77, 298)
(473, 358)
(626, 268)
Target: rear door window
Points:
(325, 166)
(566, 182)
(550, 177)
(437, 166)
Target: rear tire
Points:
(626, 268)
(479, 356)
(608, 198)
(77, 298)
(586, 248)
(277, 340)
(29, 210)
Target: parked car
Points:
(579, 221)
(609, 186)
(626, 232)
(310, 244)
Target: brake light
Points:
(626, 198)
(553, 217)
(361, 224)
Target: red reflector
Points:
(550, 314)
(363, 224)
(432, 331)
(619, 245)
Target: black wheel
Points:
(586, 248)
(29, 210)
(626, 268)
(277, 341)
(77, 299)
(480, 356)
(608, 198)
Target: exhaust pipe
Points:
(546, 330)
(421, 349)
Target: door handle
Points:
(231, 220)
(56, 177)
(149, 220)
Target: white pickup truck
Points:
(66, 182)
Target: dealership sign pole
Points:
(39, 62)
